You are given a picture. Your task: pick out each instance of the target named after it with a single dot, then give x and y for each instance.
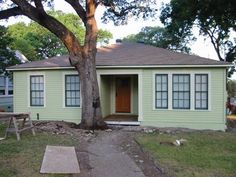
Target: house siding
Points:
(105, 90)
(213, 118)
(54, 108)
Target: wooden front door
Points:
(123, 93)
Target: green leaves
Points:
(215, 19)
(7, 57)
(37, 43)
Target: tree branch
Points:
(39, 5)
(52, 24)
(78, 8)
(5, 14)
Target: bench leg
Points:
(31, 125)
(8, 126)
(16, 128)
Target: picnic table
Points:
(17, 123)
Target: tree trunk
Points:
(91, 109)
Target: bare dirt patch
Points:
(122, 137)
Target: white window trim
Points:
(44, 86)
(63, 90)
(154, 87)
(192, 89)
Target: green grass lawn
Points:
(205, 154)
(23, 158)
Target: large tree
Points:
(81, 55)
(36, 42)
(159, 37)
(215, 19)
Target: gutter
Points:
(120, 67)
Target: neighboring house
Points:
(6, 94)
(162, 88)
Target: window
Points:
(161, 98)
(37, 90)
(2, 85)
(6, 86)
(72, 91)
(201, 91)
(181, 91)
(10, 87)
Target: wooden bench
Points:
(14, 121)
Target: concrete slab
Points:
(60, 160)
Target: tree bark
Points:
(91, 109)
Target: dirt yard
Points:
(121, 138)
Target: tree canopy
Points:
(7, 57)
(215, 20)
(36, 42)
(159, 37)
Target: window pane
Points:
(158, 79)
(204, 96)
(204, 104)
(164, 103)
(181, 79)
(204, 87)
(158, 95)
(164, 95)
(181, 87)
(158, 103)
(175, 88)
(175, 104)
(198, 87)
(204, 79)
(186, 103)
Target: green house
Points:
(139, 85)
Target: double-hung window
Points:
(72, 91)
(161, 97)
(181, 91)
(37, 90)
(201, 91)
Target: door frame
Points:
(113, 94)
(130, 78)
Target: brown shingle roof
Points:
(129, 54)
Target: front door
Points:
(123, 92)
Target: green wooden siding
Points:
(54, 108)
(105, 90)
(197, 119)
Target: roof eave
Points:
(124, 66)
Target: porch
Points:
(120, 98)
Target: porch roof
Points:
(129, 55)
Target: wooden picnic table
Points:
(14, 121)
